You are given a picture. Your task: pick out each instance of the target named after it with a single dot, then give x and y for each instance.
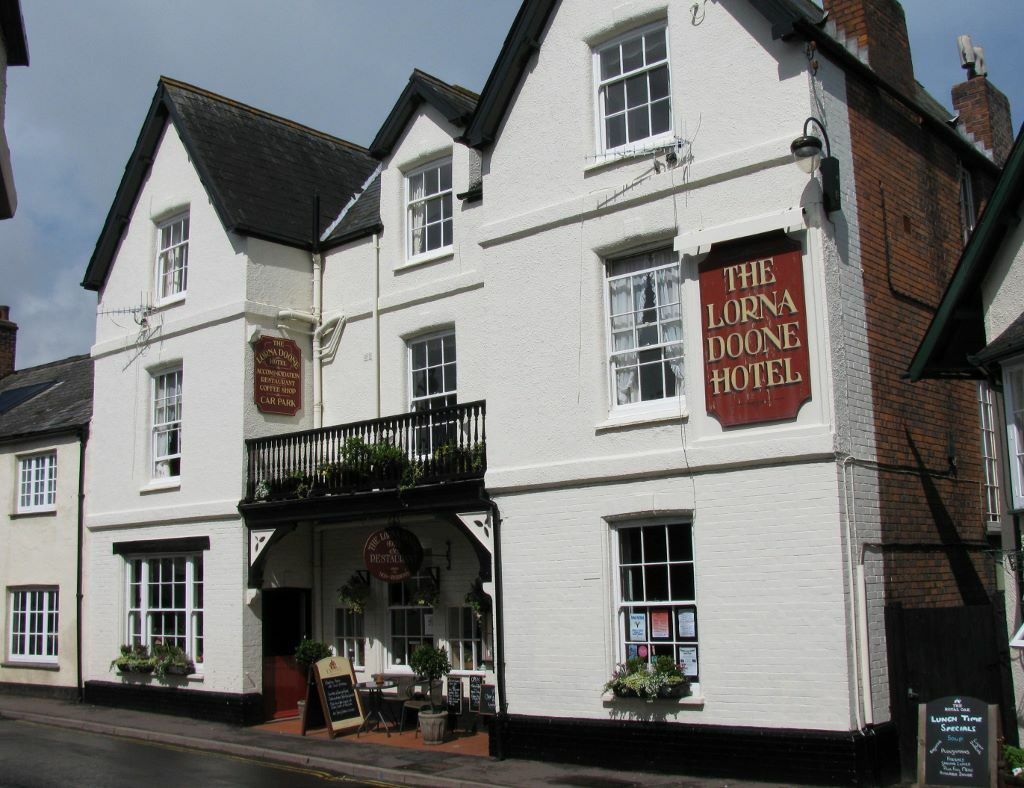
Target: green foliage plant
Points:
(310, 652)
(431, 664)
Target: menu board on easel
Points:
(332, 698)
(475, 683)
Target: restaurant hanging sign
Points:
(277, 375)
(392, 554)
(754, 332)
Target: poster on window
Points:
(687, 621)
(637, 626)
(428, 624)
(754, 331)
(631, 651)
(688, 659)
(659, 625)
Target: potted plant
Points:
(134, 659)
(477, 599)
(676, 684)
(431, 664)
(354, 594)
(310, 652)
(170, 660)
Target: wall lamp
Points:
(807, 154)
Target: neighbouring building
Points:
(13, 52)
(619, 377)
(44, 427)
(978, 334)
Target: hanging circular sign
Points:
(393, 554)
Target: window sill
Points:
(40, 513)
(31, 665)
(431, 257)
(635, 418)
(161, 485)
(602, 159)
(177, 298)
(170, 679)
(695, 702)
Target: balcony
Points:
(398, 454)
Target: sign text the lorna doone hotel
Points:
(277, 373)
(756, 362)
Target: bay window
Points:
(165, 602)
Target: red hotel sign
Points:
(756, 363)
(277, 376)
(392, 554)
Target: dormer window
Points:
(172, 259)
(633, 98)
(429, 209)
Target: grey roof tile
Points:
(65, 404)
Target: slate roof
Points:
(260, 171)
(64, 405)
(954, 343)
(362, 218)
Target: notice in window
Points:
(659, 624)
(688, 659)
(428, 624)
(687, 620)
(637, 626)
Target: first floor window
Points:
(167, 424)
(633, 88)
(350, 635)
(434, 384)
(429, 196)
(412, 624)
(37, 483)
(172, 258)
(989, 452)
(165, 603)
(645, 328)
(465, 639)
(1013, 391)
(657, 608)
(33, 628)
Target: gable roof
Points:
(54, 397)
(261, 171)
(957, 331)
(12, 29)
(455, 102)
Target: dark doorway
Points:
(938, 652)
(287, 617)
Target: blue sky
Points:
(336, 65)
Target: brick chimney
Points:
(880, 27)
(8, 333)
(983, 109)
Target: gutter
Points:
(501, 749)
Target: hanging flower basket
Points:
(354, 594)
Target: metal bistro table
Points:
(375, 704)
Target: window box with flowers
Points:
(649, 681)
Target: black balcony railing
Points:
(394, 453)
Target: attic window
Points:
(172, 259)
(429, 209)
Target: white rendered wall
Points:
(1003, 287)
(41, 550)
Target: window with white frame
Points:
(165, 602)
(167, 424)
(429, 208)
(989, 452)
(433, 384)
(37, 483)
(633, 94)
(412, 624)
(465, 639)
(645, 328)
(1013, 394)
(172, 258)
(34, 620)
(657, 606)
(350, 635)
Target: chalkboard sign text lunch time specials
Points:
(336, 697)
(957, 742)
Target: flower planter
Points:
(432, 726)
(674, 691)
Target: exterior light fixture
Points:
(807, 154)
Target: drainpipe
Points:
(499, 630)
(83, 439)
(376, 321)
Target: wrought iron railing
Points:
(393, 453)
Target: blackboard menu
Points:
(957, 742)
(455, 695)
(332, 698)
(340, 694)
(475, 682)
(488, 699)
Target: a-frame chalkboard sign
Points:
(332, 699)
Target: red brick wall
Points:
(8, 337)
(908, 198)
(985, 112)
(880, 26)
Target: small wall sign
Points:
(393, 554)
(957, 742)
(277, 376)
(754, 331)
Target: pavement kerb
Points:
(360, 771)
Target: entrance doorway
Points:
(287, 619)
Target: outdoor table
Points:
(375, 704)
